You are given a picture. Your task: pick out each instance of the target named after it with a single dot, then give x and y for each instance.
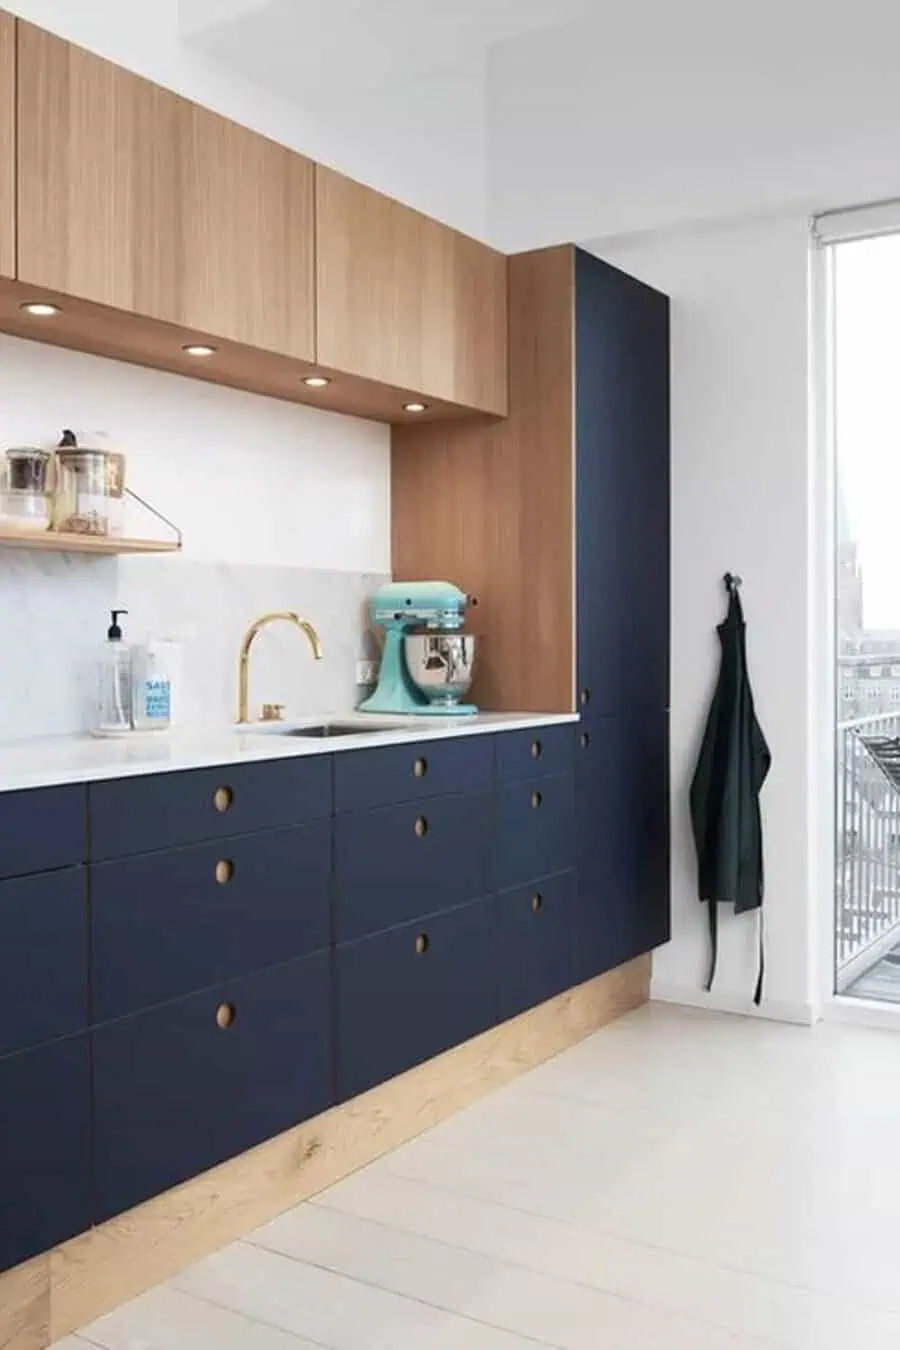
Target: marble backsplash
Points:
(55, 612)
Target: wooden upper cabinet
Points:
(406, 301)
(7, 145)
(132, 197)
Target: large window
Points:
(865, 280)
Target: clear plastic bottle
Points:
(114, 683)
(151, 686)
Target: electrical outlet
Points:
(366, 672)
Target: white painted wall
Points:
(282, 507)
(741, 481)
(250, 480)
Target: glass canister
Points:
(25, 500)
(83, 503)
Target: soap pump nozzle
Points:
(114, 632)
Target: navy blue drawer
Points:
(41, 829)
(43, 958)
(179, 1089)
(405, 773)
(536, 751)
(45, 1149)
(535, 942)
(535, 829)
(408, 994)
(134, 815)
(401, 862)
(167, 924)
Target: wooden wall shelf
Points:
(55, 541)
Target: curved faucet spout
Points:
(288, 616)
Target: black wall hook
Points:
(732, 582)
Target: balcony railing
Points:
(868, 844)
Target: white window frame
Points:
(831, 228)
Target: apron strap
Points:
(757, 997)
(713, 915)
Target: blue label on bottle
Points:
(157, 700)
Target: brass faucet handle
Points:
(272, 712)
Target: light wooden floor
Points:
(679, 1181)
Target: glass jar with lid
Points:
(25, 500)
(89, 494)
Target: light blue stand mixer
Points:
(428, 661)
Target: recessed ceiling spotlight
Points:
(199, 349)
(415, 407)
(40, 309)
(316, 381)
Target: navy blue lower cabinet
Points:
(191, 1083)
(45, 1152)
(535, 942)
(400, 862)
(406, 995)
(42, 828)
(535, 751)
(167, 924)
(165, 810)
(43, 958)
(623, 840)
(535, 833)
(404, 773)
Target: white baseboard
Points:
(773, 1010)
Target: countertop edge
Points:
(66, 761)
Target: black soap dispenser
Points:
(113, 717)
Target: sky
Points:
(867, 414)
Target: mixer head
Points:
(429, 604)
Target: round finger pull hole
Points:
(420, 768)
(423, 942)
(421, 827)
(225, 1015)
(536, 749)
(224, 871)
(585, 740)
(536, 800)
(537, 901)
(223, 799)
(585, 697)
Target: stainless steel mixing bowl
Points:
(441, 665)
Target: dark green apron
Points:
(733, 764)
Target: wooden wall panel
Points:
(7, 145)
(490, 505)
(405, 300)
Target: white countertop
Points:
(51, 761)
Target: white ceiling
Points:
(558, 119)
(296, 42)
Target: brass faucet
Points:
(244, 660)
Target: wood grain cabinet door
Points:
(407, 301)
(7, 145)
(132, 197)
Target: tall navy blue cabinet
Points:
(621, 369)
(557, 520)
